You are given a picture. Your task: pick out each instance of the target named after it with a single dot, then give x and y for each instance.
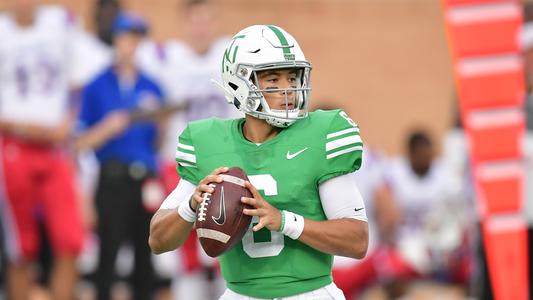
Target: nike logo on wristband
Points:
(360, 208)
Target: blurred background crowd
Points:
(93, 95)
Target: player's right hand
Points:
(203, 186)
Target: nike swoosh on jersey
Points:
(221, 219)
(291, 156)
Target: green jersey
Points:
(287, 170)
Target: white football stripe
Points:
(186, 156)
(343, 142)
(335, 154)
(183, 164)
(186, 147)
(212, 234)
(345, 131)
(233, 179)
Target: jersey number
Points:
(42, 77)
(348, 119)
(264, 242)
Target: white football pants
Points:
(328, 292)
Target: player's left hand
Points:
(269, 216)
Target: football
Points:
(220, 222)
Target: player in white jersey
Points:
(37, 70)
(431, 231)
(34, 71)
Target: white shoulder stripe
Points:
(345, 131)
(341, 152)
(185, 147)
(186, 156)
(352, 139)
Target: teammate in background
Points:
(302, 163)
(126, 151)
(37, 73)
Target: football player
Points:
(39, 68)
(306, 206)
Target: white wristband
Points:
(292, 225)
(186, 212)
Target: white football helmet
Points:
(258, 48)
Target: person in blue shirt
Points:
(126, 149)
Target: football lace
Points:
(206, 197)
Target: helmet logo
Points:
(227, 53)
(288, 56)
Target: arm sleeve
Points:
(182, 192)
(343, 147)
(186, 157)
(340, 198)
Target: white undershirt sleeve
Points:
(182, 192)
(340, 198)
